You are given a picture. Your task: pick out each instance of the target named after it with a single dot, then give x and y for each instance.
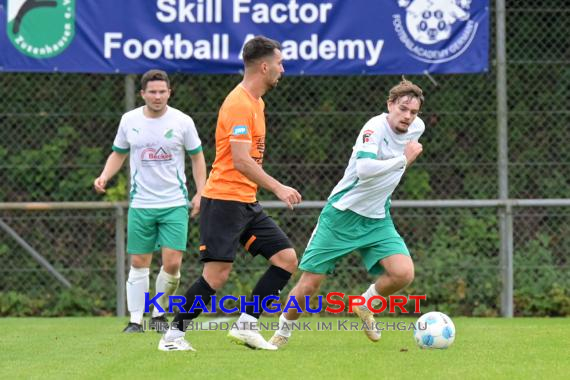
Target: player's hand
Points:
(289, 196)
(195, 205)
(100, 183)
(412, 150)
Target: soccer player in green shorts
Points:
(157, 137)
(357, 214)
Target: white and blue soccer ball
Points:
(434, 330)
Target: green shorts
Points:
(149, 229)
(339, 233)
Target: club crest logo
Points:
(435, 31)
(41, 28)
(366, 135)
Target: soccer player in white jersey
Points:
(157, 137)
(357, 214)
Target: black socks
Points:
(270, 284)
(199, 288)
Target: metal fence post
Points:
(120, 257)
(130, 95)
(507, 264)
(505, 214)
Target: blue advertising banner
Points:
(318, 37)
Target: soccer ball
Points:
(434, 330)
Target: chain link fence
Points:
(57, 130)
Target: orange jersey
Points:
(241, 118)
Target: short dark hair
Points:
(259, 47)
(406, 89)
(153, 75)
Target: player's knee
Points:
(307, 286)
(172, 268)
(402, 276)
(218, 279)
(218, 282)
(140, 261)
(286, 259)
(171, 261)
(292, 262)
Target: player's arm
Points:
(249, 168)
(199, 174)
(368, 166)
(112, 166)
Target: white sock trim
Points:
(372, 291)
(137, 285)
(135, 273)
(169, 276)
(167, 284)
(285, 326)
(369, 293)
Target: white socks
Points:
(285, 326)
(369, 293)
(137, 285)
(167, 284)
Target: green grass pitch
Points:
(485, 348)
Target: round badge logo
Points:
(435, 31)
(41, 28)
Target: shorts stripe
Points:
(249, 242)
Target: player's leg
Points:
(173, 238)
(167, 283)
(283, 265)
(137, 286)
(221, 223)
(263, 237)
(141, 240)
(398, 273)
(307, 286)
(214, 275)
(331, 239)
(390, 258)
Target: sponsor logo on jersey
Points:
(239, 130)
(151, 156)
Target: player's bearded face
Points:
(402, 113)
(275, 69)
(156, 95)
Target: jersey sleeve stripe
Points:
(362, 154)
(194, 151)
(238, 140)
(120, 150)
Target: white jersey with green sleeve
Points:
(157, 149)
(370, 196)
